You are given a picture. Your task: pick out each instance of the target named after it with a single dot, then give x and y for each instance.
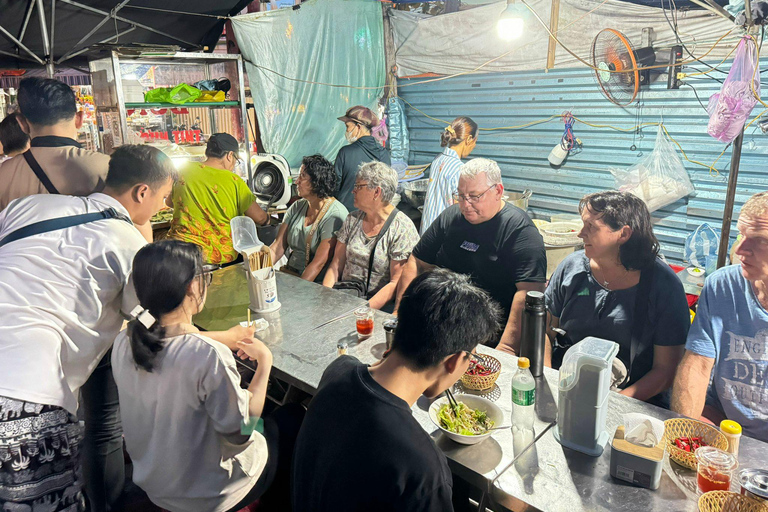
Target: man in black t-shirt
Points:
(493, 242)
(359, 448)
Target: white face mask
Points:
(350, 138)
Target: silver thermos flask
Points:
(533, 332)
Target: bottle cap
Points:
(523, 362)
(730, 427)
(534, 297)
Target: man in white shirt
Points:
(61, 296)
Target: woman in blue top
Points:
(458, 139)
(594, 292)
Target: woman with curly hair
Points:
(309, 224)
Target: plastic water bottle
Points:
(523, 397)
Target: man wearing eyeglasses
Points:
(490, 240)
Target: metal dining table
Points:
(303, 336)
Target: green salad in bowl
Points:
(464, 421)
(476, 416)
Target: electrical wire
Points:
(697, 96)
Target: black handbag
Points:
(356, 287)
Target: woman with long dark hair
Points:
(618, 289)
(458, 139)
(183, 410)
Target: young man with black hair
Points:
(61, 297)
(48, 114)
(359, 448)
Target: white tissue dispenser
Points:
(638, 465)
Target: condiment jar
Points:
(732, 431)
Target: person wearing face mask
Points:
(458, 139)
(207, 196)
(362, 148)
(490, 240)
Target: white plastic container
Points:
(583, 390)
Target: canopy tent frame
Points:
(38, 48)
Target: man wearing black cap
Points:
(362, 148)
(207, 196)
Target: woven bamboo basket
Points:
(724, 501)
(483, 382)
(686, 427)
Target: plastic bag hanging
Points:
(659, 178)
(729, 109)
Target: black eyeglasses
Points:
(470, 199)
(473, 358)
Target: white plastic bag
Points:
(658, 179)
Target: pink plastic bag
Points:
(729, 109)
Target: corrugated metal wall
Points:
(513, 99)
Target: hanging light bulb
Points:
(511, 24)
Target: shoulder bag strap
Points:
(384, 229)
(44, 226)
(32, 162)
(315, 225)
(640, 317)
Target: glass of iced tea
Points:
(715, 469)
(364, 319)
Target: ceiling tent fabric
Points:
(106, 21)
(465, 42)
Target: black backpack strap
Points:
(39, 172)
(44, 226)
(384, 229)
(640, 318)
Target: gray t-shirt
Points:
(297, 232)
(396, 244)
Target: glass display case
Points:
(180, 130)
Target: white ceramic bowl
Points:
(473, 402)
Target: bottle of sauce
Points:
(732, 432)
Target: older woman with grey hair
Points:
(378, 227)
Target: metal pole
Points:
(21, 45)
(730, 197)
(107, 40)
(43, 28)
(93, 30)
(28, 15)
(130, 22)
(50, 67)
(715, 8)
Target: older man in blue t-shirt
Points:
(728, 342)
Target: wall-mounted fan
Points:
(617, 64)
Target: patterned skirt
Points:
(39, 459)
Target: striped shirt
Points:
(443, 181)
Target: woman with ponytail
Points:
(182, 406)
(458, 139)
